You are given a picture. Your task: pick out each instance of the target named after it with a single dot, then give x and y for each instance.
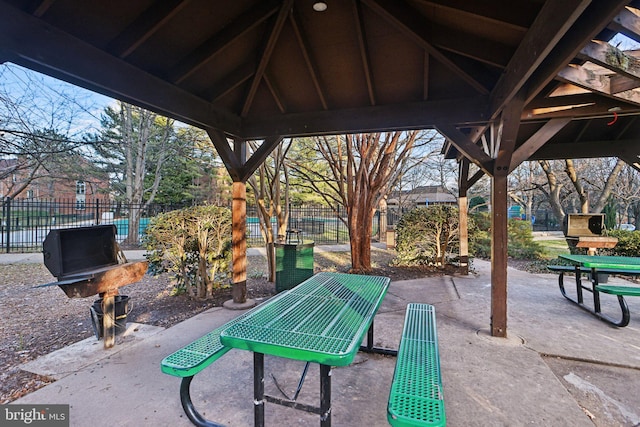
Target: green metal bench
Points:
(188, 361)
(631, 291)
(416, 397)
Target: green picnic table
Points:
(623, 265)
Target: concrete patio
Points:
(560, 366)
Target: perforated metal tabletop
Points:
(601, 261)
(322, 320)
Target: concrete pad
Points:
(68, 360)
(559, 366)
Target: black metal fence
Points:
(26, 222)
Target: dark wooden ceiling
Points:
(253, 69)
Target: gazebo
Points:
(503, 81)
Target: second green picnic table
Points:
(596, 265)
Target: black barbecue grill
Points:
(87, 261)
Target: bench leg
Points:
(193, 415)
(624, 321)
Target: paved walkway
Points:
(560, 366)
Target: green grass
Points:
(554, 247)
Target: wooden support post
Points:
(239, 242)
(463, 215)
(499, 255)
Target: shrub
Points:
(194, 246)
(427, 235)
(520, 244)
(628, 243)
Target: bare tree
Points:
(589, 182)
(270, 185)
(362, 170)
(42, 123)
(135, 144)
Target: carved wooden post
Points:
(239, 242)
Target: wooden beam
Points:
(207, 50)
(537, 140)
(586, 150)
(229, 158)
(467, 147)
(259, 156)
(499, 242)
(411, 23)
(144, 26)
(599, 83)
(591, 22)
(510, 119)
(364, 49)
(41, 47)
(622, 83)
(470, 45)
(627, 23)
(496, 12)
(612, 58)
(231, 81)
(553, 21)
(421, 115)
(285, 9)
(311, 66)
(463, 216)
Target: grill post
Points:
(108, 318)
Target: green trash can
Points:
(294, 262)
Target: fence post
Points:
(97, 221)
(8, 223)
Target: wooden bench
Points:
(188, 361)
(416, 397)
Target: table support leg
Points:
(325, 396)
(596, 294)
(258, 389)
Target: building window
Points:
(80, 195)
(81, 187)
(29, 194)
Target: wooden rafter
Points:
(553, 21)
(363, 48)
(413, 26)
(486, 51)
(205, 52)
(627, 23)
(311, 67)
(144, 27)
(42, 7)
(491, 11)
(266, 54)
(259, 156)
(232, 81)
(612, 58)
(599, 83)
(274, 93)
(590, 23)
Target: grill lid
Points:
(70, 251)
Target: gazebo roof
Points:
(254, 69)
